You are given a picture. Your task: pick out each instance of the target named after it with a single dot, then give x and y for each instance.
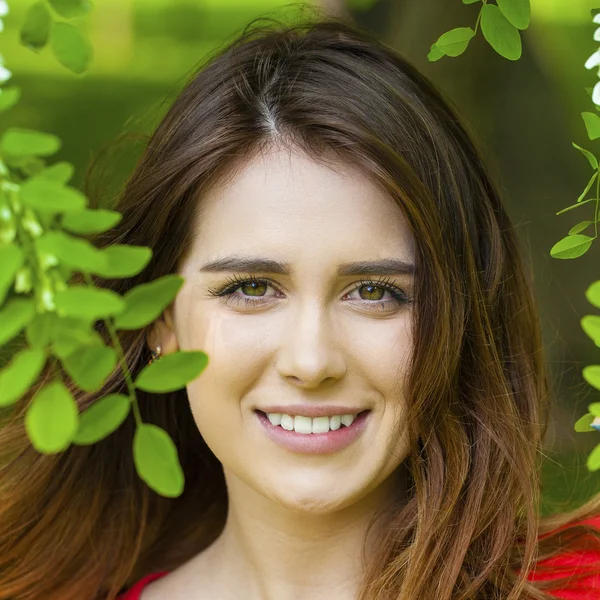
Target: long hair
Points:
(82, 524)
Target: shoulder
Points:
(135, 591)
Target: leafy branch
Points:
(43, 226)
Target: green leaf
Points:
(470, 1)
(89, 366)
(60, 172)
(102, 418)
(44, 194)
(172, 371)
(123, 260)
(435, 53)
(52, 419)
(502, 36)
(77, 253)
(36, 27)
(518, 12)
(20, 142)
(69, 9)
(71, 334)
(560, 212)
(583, 424)
(594, 409)
(145, 302)
(9, 96)
(591, 326)
(588, 186)
(88, 222)
(593, 294)
(579, 227)
(15, 315)
(571, 246)
(592, 124)
(156, 460)
(11, 259)
(40, 332)
(592, 375)
(593, 461)
(71, 47)
(455, 41)
(591, 158)
(20, 374)
(88, 303)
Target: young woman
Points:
(370, 424)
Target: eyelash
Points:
(235, 282)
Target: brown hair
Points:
(82, 524)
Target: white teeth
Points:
(307, 425)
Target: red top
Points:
(588, 589)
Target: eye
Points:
(254, 292)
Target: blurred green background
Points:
(525, 113)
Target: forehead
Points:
(282, 203)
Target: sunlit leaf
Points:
(591, 326)
(102, 418)
(594, 409)
(593, 294)
(14, 316)
(26, 142)
(88, 303)
(44, 194)
(591, 374)
(123, 260)
(77, 253)
(588, 186)
(591, 158)
(583, 424)
(88, 222)
(172, 372)
(52, 419)
(71, 334)
(435, 53)
(36, 27)
(71, 47)
(502, 36)
(89, 366)
(156, 460)
(455, 42)
(518, 12)
(571, 246)
(41, 330)
(70, 9)
(9, 96)
(20, 373)
(11, 259)
(592, 124)
(593, 460)
(60, 172)
(579, 227)
(145, 302)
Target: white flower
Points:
(597, 34)
(3, 8)
(593, 60)
(596, 94)
(597, 18)
(5, 74)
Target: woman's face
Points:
(308, 337)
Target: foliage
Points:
(43, 224)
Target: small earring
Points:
(155, 354)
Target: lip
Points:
(311, 410)
(315, 443)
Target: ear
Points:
(162, 333)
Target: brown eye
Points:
(373, 295)
(253, 286)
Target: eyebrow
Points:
(246, 264)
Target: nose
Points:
(310, 352)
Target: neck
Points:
(273, 553)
